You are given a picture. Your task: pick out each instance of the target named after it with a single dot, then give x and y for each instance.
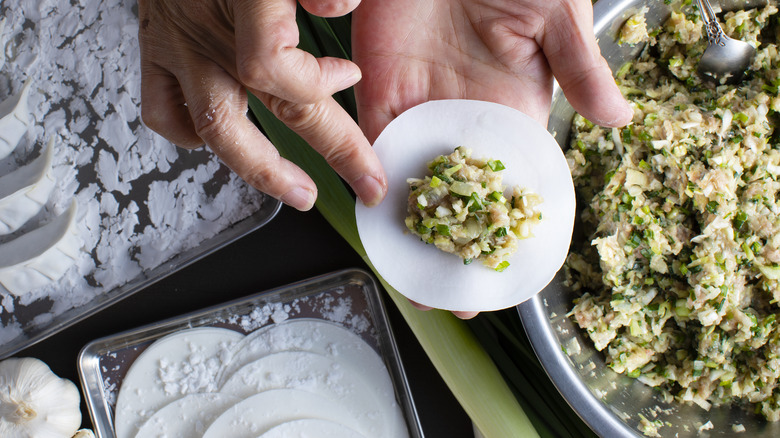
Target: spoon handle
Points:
(715, 34)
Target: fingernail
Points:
(350, 80)
(368, 190)
(419, 306)
(299, 198)
(628, 113)
(623, 116)
(465, 315)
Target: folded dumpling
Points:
(24, 191)
(2, 43)
(14, 120)
(40, 256)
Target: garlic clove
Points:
(24, 191)
(40, 256)
(84, 433)
(14, 120)
(35, 402)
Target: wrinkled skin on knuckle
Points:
(299, 117)
(181, 136)
(151, 118)
(262, 176)
(252, 71)
(563, 18)
(259, 67)
(157, 26)
(341, 156)
(171, 28)
(212, 121)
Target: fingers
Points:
(333, 133)
(329, 8)
(459, 314)
(268, 60)
(197, 96)
(373, 120)
(163, 108)
(465, 315)
(576, 62)
(297, 88)
(217, 106)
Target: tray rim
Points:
(88, 365)
(268, 210)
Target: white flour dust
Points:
(197, 373)
(141, 200)
(333, 306)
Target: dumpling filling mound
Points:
(680, 281)
(463, 210)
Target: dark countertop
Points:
(294, 246)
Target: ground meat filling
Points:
(680, 281)
(463, 209)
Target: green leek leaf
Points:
(449, 343)
(487, 362)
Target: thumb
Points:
(329, 8)
(268, 58)
(576, 62)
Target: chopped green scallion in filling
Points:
(461, 209)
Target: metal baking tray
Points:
(74, 103)
(35, 330)
(103, 363)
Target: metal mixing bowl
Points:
(612, 404)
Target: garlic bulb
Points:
(35, 402)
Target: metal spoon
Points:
(725, 59)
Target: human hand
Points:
(503, 51)
(495, 50)
(198, 59)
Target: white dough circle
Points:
(332, 341)
(143, 392)
(533, 160)
(256, 415)
(322, 375)
(188, 416)
(311, 428)
(312, 335)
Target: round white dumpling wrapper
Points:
(312, 372)
(256, 415)
(533, 160)
(188, 416)
(311, 428)
(332, 341)
(143, 392)
(315, 336)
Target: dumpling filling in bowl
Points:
(680, 279)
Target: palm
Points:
(504, 51)
(411, 52)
